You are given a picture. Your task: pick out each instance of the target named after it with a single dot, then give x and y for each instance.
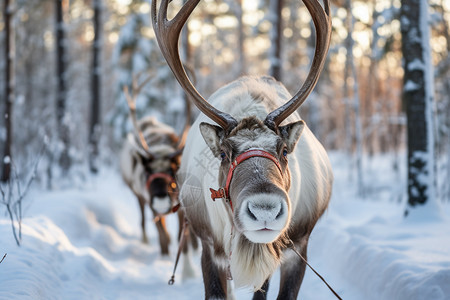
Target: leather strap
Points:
(154, 176)
(223, 192)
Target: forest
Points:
(381, 107)
(60, 70)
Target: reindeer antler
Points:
(167, 34)
(131, 100)
(322, 23)
(187, 124)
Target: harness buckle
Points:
(220, 193)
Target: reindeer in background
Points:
(271, 179)
(149, 160)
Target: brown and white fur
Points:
(270, 209)
(137, 165)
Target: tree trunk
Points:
(352, 76)
(372, 84)
(95, 126)
(62, 126)
(186, 47)
(275, 38)
(418, 95)
(241, 53)
(9, 91)
(238, 11)
(348, 43)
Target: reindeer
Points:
(274, 184)
(149, 160)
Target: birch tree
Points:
(9, 90)
(418, 94)
(354, 104)
(238, 11)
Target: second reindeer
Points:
(149, 160)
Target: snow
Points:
(416, 65)
(410, 86)
(84, 243)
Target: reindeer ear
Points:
(290, 134)
(212, 135)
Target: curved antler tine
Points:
(131, 101)
(167, 34)
(322, 23)
(139, 147)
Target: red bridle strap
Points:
(154, 176)
(224, 191)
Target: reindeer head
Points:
(254, 172)
(160, 165)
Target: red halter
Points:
(169, 179)
(223, 192)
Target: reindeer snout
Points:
(263, 217)
(264, 212)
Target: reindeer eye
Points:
(223, 155)
(285, 152)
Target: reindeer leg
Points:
(292, 273)
(214, 279)
(142, 207)
(262, 293)
(164, 237)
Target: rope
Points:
(180, 247)
(306, 262)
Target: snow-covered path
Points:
(84, 244)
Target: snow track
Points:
(85, 244)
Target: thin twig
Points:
(3, 258)
(17, 205)
(11, 216)
(3, 193)
(14, 206)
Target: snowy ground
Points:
(84, 244)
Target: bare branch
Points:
(13, 200)
(11, 217)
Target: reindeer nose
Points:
(264, 212)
